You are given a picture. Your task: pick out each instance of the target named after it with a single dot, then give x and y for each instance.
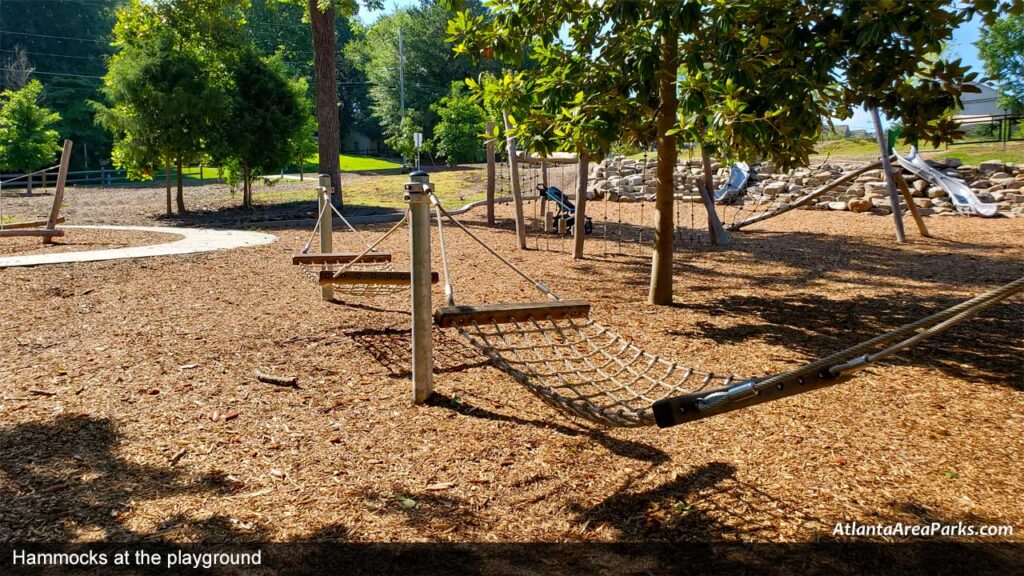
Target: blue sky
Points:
(962, 47)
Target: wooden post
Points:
(562, 227)
(544, 183)
(58, 192)
(890, 181)
(549, 221)
(323, 197)
(909, 198)
(491, 171)
(517, 193)
(580, 232)
(416, 194)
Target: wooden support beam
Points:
(455, 316)
(30, 224)
(58, 192)
(339, 258)
(348, 277)
(517, 193)
(37, 232)
(491, 172)
(580, 228)
(909, 199)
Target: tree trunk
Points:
(28, 188)
(180, 198)
(167, 183)
(715, 229)
(664, 227)
(246, 187)
(326, 75)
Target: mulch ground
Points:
(77, 240)
(130, 411)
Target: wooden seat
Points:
(339, 258)
(30, 224)
(369, 277)
(455, 316)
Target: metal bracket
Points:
(690, 407)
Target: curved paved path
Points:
(192, 241)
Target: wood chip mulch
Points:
(130, 410)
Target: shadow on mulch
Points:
(391, 348)
(63, 478)
(618, 446)
(983, 349)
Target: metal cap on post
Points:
(417, 195)
(323, 198)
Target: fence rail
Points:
(994, 129)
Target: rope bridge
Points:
(557, 352)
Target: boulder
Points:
(859, 205)
(992, 166)
(936, 192)
(837, 205)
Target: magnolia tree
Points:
(749, 79)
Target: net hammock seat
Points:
(573, 363)
(362, 274)
(576, 365)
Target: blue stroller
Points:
(566, 209)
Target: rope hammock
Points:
(367, 266)
(586, 370)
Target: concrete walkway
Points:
(191, 241)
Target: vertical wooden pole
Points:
(580, 232)
(324, 193)
(890, 181)
(491, 170)
(517, 193)
(58, 193)
(417, 195)
(544, 183)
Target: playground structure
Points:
(965, 201)
(557, 352)
(46, 229)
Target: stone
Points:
(992, 166)
(774, 188)
(837, 205)
(936, 192)
(921, 186)
(954, 162)
(859, 205)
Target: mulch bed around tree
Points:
(129, 408)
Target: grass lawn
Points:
(973, 154)
(349, 163)
(454, 188)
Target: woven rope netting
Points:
(584, 369)
(313, 272)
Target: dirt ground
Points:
(129, 410)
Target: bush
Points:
(461, 122)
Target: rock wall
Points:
(630, 180)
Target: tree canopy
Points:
(1001, 48)
(28, 139)
(743, 79)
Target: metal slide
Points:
(738, 175)
(962, 196)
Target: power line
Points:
(33, 53)
(53, 73)
(53, 37)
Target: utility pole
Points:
(401, 73)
